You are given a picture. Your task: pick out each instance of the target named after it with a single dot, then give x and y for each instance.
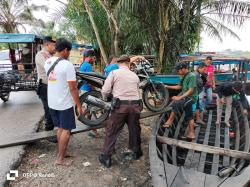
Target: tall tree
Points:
(91, 17)
(113, 24)
(15, 13)
(175, 25)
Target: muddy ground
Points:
(38, 169)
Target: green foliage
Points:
(160, 27)
(79, 19)
(64, 30)
(15, 13)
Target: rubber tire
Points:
(5, 97)
(159, 87)
(87, 121)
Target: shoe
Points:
(227, 124)
(105, 160)
(137, 155)
(52, 139)
(132, 155)
(200, 122)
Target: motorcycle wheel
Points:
(93, 115)
(155, 98)
(5, 96)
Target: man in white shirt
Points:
(62, 93)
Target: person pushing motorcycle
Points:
(123, 84)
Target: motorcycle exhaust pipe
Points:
(98, 102)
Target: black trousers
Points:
(184, 105)
(126, 113)
(43, 96)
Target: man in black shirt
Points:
(225, 92)
(201, 80)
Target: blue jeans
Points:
(209, 96)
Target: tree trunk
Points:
(161, 54)
(114, 26)
(164, 26)
(104, 56)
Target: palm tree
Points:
(175, 25)
(15, 13)
(88, 26)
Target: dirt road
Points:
(38, 169)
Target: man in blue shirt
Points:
(86, 66)
(111, 66)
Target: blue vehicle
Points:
(226, 69)
(17, 65)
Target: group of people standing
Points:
(58, 92)
(195, 86)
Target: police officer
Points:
(123, 84)
(47, 51)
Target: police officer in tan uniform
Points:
(123, 84)
(47, 51)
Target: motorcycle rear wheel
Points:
(155, 99)
(93, 115)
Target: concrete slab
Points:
(18, 116)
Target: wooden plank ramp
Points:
(190, 153)
(176, 134)
(247, 140)
(32, 137)
(237, 144)
(215, 164)
(202, 160)
(226, 159)
(170, 176)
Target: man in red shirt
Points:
(210, 84)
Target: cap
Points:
(49, 39)
(123, 59)
(181, 65)
(209, 58)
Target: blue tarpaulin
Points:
(18, 38)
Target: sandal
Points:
(166, 125)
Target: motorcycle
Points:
(154, 94)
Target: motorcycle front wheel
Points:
(93, 115)
(155, 97)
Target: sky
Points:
(212, 44)
(207, 43)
